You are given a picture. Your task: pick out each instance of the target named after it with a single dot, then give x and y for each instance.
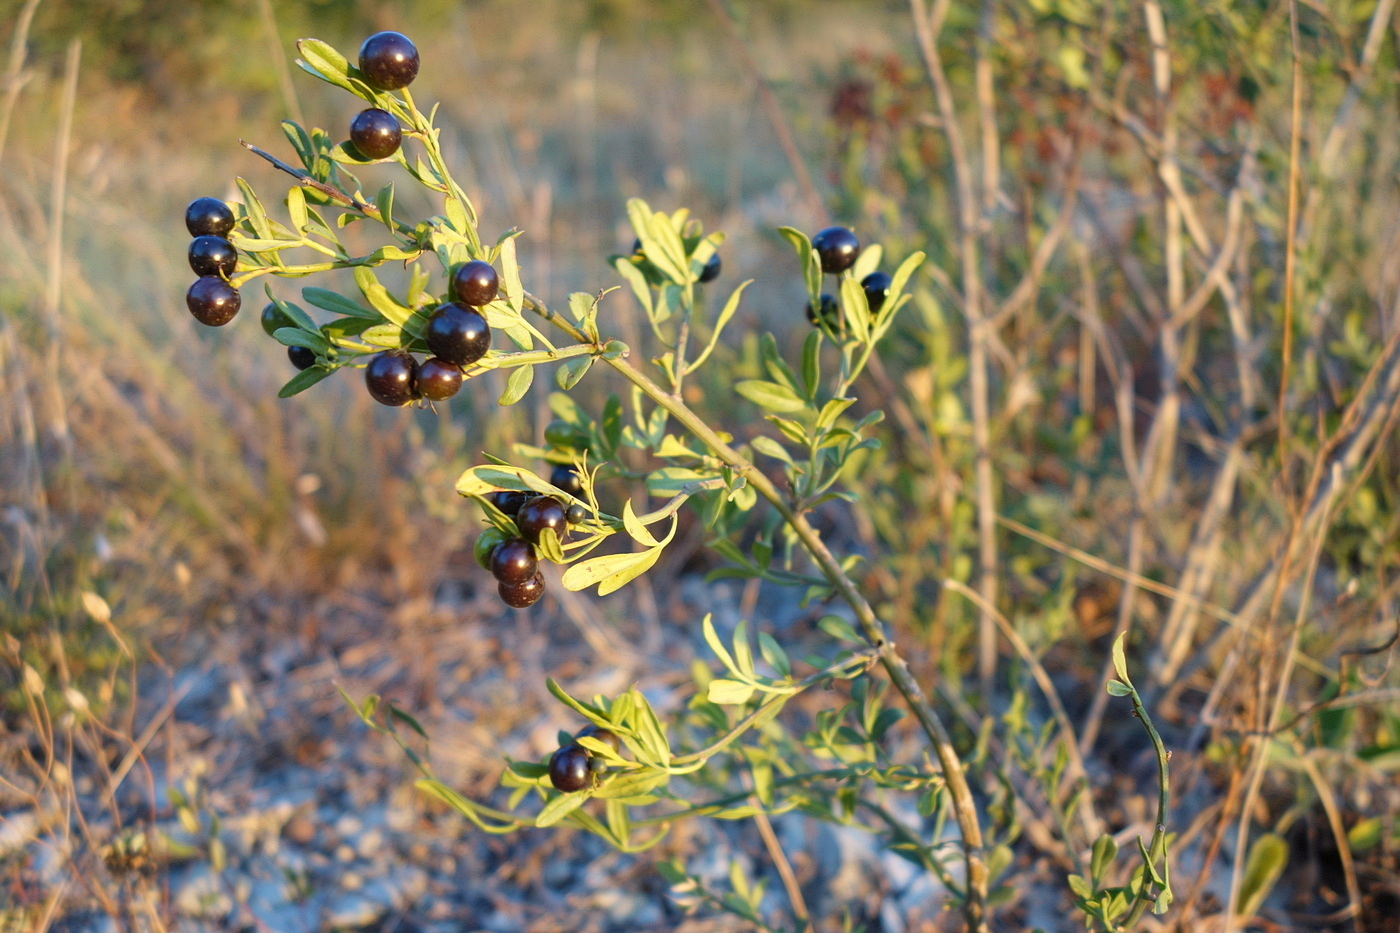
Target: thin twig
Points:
(308, 181)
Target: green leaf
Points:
(770, 395)
(1104, 852)
(839, 628)
(868, 261)
(303, 381)
(634, 527)
(724, 692)
(560, 807)
(707, 627)
(743, 655)
(727, 312)
(517, 385)
(323, 61)
(811, 364)
(633, 277)
(1118, 689)
(612, 571)
(257, 217)
(296, 208)
(296, 337)
(379, 298)
(1120, 661)
(770, 447)
(407, 720)
(774, 654)
(384, 200)
(571, 371)
(336, 303)
(856, 308)
(1267, 859)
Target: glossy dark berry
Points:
(212, 255)
(565, 477)
(213, 301)
(576, 514)
(301, 357)
(831, 312)
(509, 502)
(711, 270)
(568, 768)
(514, 561)
(837, 248)
(606, 736)
(388, 61)
(208, 217)
(522, 595)
(877, 288)
(390, 378)
(457, 334)
(486, 544)
(274, 318)
(438, 379)
(476, 283)
(538, 514)
(375, 133)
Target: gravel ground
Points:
(306, 821)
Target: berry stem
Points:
(895, 666)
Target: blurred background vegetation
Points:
(1117, 221)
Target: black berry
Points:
(301, 357)
(485, 545)
(476, 283)
(213, 301)
(508, 502)
(568, 768)
(877, 289)
(566, 478)
(208, 217)
(606, 736)
(576, 514)
(388, 61)
(438, 379)
(837, 248)
(514, 562)
(711, 270)
(457, 334)
(390, 378)
(831, 312)
(274, 318)
(212, 255)
(522, 595)
(538, 514)
(375, 133)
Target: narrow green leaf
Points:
(770, 395)
(770, 447)
(626, 575)
(1267, 859)
(296, 208)
(1118, 689)
(634, 527)
(707, 628)
(337, 303)
(724, 692)
(585, 573)
(1120, 661)
(384, 200)
(296, 337)
(774, 654)
(571, 371)
(811, 364)
(303, 381)
(1104, 852)
(517, 385)
(560, 807)
(323, 61)
(726, 313)
(856, 308)
(839, 628)
(743, 654)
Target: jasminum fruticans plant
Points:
(625, 774)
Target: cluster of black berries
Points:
(572, 767)
(211, 299)
(513, 561)
(388, 62)
(456, 334)
(837, 248)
